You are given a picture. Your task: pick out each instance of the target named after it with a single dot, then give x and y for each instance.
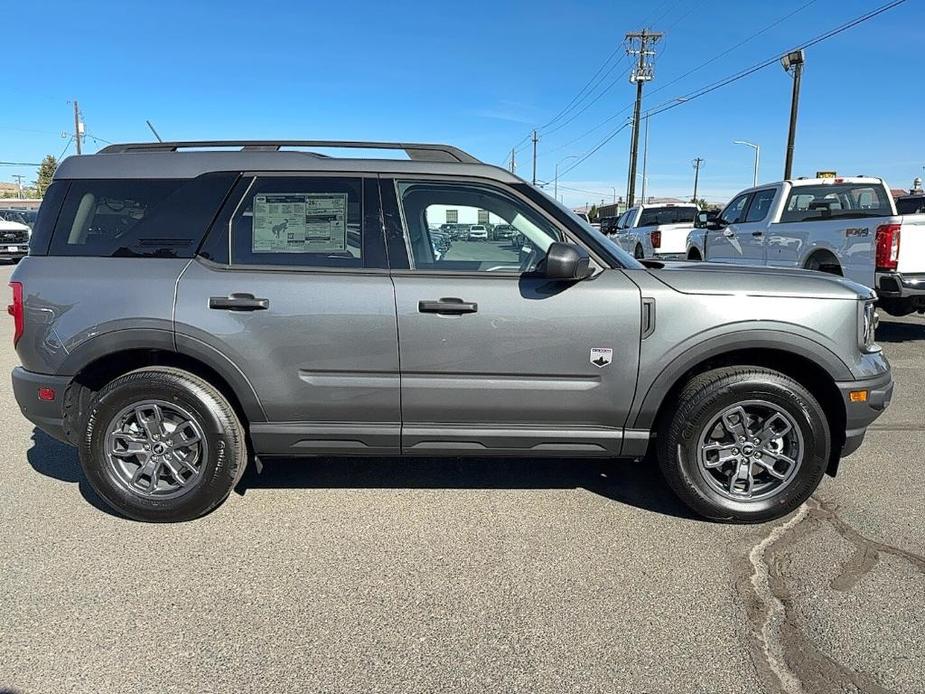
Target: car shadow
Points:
(59, 461)
(896, 331)
(637, 484)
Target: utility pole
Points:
(19, 178)
(513, 161)
(645, 162)
(78, 127)
(642, 72)
(794, 60)
(698, 162)
(534, 157)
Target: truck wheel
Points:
(744, 444)
(638, 253)
(694, 255)
(162, 445)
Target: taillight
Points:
(888, 246)
(656, 238)
(15, 310)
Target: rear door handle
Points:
(238, 302)
(450, 305)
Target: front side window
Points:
(300, 221)
(847, 200)
(517, 242)
(761, 205)
(735, 210)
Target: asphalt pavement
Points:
(467, 576)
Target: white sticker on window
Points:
(300, 223)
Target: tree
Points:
(592, 213)
(46, 172)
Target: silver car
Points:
(188, 309)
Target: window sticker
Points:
(300, 223)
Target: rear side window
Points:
(165, 218)
(847, 200)
(761, 205)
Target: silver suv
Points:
(189, 307)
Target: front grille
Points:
(14, 237)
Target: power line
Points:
(732, 48)
(678, 101)
(18, 163)
(577, 97)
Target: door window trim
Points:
(395, 179)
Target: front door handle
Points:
(728, 233)
(447, 305)
(238, 302)
(757, 234)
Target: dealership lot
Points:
(427, 575)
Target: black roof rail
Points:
(417, 152)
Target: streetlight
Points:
(556, 183)
(795, 60)
(757, 149)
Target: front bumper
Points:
(13, 251)
(896, 285)
(860, 415)
(47, 415)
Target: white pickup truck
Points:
(656, 231)
(846, 226)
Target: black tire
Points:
(694, 255)
(223, 434)
(638, 253)
(708, 395)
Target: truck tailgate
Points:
(674, 237)
(912, 245)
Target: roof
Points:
(191, 159)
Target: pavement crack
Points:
(787, 659)
(866, 551)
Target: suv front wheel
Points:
(744, 444)
(162, 445)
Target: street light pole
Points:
(795, 60)
(757, 149)
(556, 180)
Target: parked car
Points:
(911, 204)
(656, 231)
(477, 232)
(14, 241)
(503, 232)
(843, 226)
(182, 315)
(26, 217)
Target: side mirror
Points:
(703, 218)
(566, 261)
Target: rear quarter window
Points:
(165, 218)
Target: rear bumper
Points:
(897, 285)
(860, 415)
(47, 415)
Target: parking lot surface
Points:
(468, 576)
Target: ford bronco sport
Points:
(188, 307)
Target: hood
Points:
(727, 279)
(12, 226)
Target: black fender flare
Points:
(644, 414)
(130, 339)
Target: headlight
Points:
(867, 326)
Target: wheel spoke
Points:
(743, 474)
(131, 445)
(184, 435)
(149, 468)
(170, 464)
(770, 467)
(736, 422)
(151, 418)
(726, 453)
(768, 432)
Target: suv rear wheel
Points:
(744, 444)
(162, 445)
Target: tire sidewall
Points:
(809, 418)
(219, 471)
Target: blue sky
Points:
(476, 74)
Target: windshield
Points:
(621, 256)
